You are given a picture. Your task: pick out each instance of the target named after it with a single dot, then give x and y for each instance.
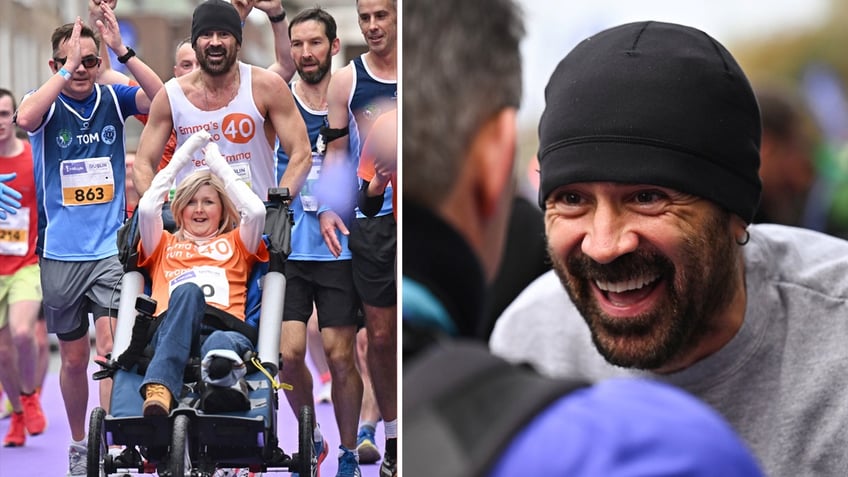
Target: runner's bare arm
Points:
(152, 142)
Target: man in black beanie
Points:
(244, 108)
(215, 15)
(649, 158)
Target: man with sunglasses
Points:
(76, 128)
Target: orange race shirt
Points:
(220, 268)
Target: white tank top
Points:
(238, 129)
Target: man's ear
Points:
(492, 155)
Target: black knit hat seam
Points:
(718, 51)
(634, 140)
(619, 139)
(638, 37)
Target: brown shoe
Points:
(157, 400)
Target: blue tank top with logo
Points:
(80, 172)
(307, 241)
(371, 97)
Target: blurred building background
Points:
(151, 27)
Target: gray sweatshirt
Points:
(781, 382)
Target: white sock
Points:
(390, 428)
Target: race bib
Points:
(307, 192)
(242, 169)
(87, 181)
(212, 280)
(14, 233)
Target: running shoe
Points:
(33, 414)
(16, 437)
(348, 464)
(389, 467)
(365, 446)
(325, 395)
(321, 452)
(77, 457)
(5, 408)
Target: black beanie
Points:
(653, 103)
(215, 15)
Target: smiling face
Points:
(378, 24)
(201, 216)
(650, 269)
(216, 51)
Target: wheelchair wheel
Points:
(307, 460)
(97, 448)
(179, 460)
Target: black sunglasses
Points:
(88, 61)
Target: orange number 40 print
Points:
(238, 128)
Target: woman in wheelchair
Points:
(202, 268)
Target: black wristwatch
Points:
(126, 56)
(277, 18)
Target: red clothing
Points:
(221, 268)
(168, 153)
(142, 118)
(19, 232)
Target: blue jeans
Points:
(178, 338)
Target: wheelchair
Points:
(190, 442)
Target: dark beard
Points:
(697, 289)
(217, 69)
(316, 76)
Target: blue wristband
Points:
(64, 73)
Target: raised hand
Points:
(74, 50)
(271, 7)
(109, 29)
(243, 7)
(94, 12)
(184, 153)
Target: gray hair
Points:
(461, 66)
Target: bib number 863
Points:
(89, 195)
